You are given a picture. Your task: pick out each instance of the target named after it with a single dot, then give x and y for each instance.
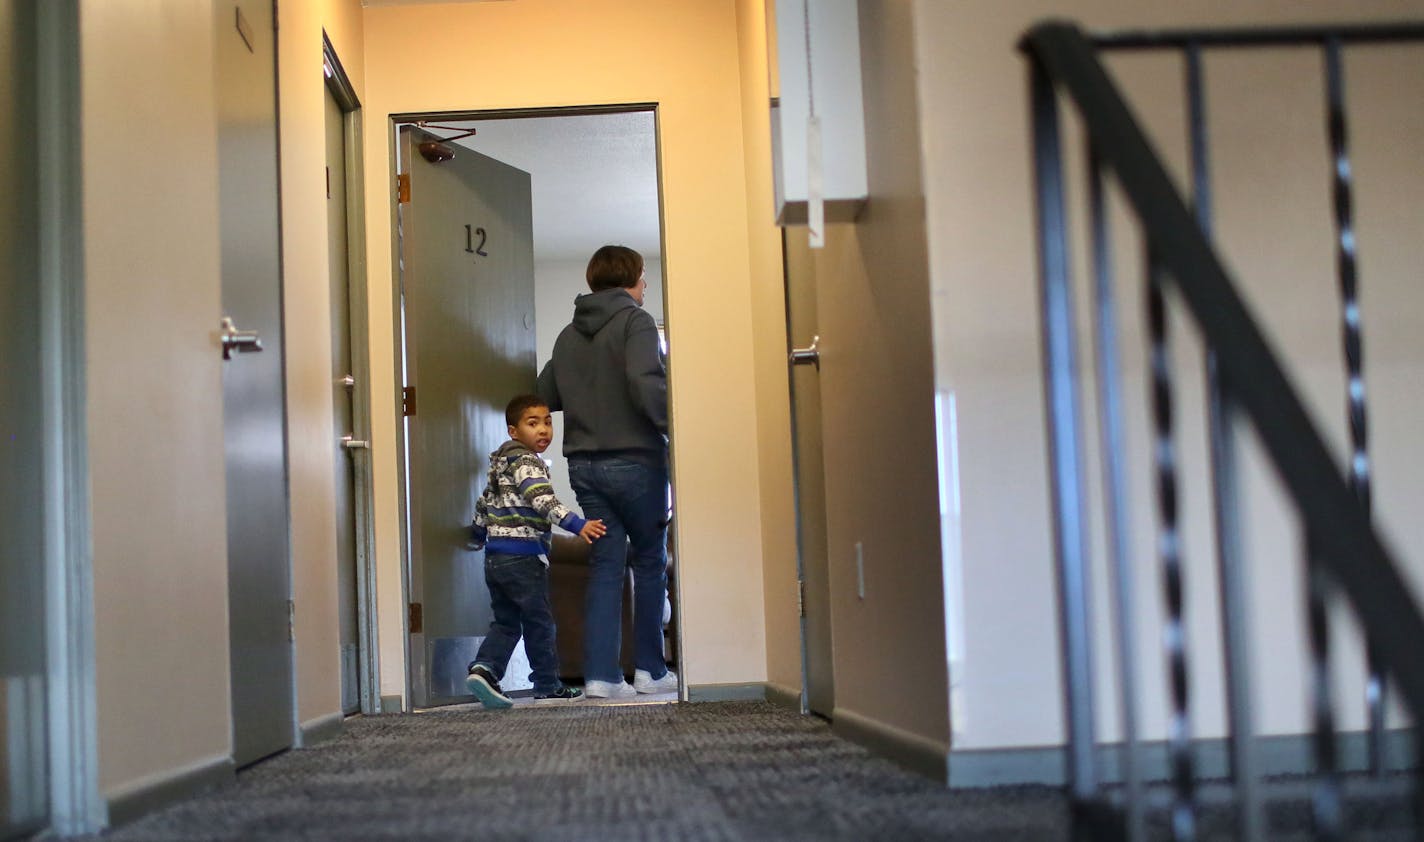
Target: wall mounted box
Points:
(834, 68)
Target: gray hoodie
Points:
(607, 376)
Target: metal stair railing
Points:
(1244, 380)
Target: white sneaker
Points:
(643, 682)
(608, 690)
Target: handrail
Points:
(1367, 33)
(1353, 553)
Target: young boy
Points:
(512, 524)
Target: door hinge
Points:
(417, 618)
(403, 188)
(801, 598)
(407, 401)
(291, 621)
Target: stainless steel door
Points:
(23, 752)
(466, 237)
(259, 578)
(342, 388)
(807, 453)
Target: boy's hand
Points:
(592, 531)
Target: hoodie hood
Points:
(593, 310)
(512, 449)
(507, 452)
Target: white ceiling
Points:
(594, 178)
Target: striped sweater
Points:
(514, 514)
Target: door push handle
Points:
(351, 443)
(811, 355)
(240, 341)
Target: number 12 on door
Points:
(470, 241)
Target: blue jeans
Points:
(519, 595)
(631, 500)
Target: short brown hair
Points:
(614, 267)
(520, 405)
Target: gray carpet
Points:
(708, 771)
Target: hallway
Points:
(723, 771)
(949, 620)
(708, 771)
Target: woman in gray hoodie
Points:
(607, 375)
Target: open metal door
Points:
(254, 403)
(812, 559)
(24, 752)
(467, 250)
(343, 388)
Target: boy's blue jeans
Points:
(631, 499)
(519, 595)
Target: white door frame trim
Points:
(75, 804)
(397, 167)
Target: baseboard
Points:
(321, 729)
(1280, 754)
(912, 751)
(155, 791)
(391, 704)
(751, 692)
(783, 696)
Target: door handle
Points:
(348, 381)
(811, 355)
(351, 443)
(240, 341)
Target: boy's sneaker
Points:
(482, 683)
(643, 682)
(563, 694)
(608, 690)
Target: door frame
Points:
(796, 457)
(75, 805)
(362, 489)
(397, 120)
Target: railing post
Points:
(1169, 549)
(1346, 266)
(1326, 806)
(1061, 397)
(1114, 446)
(1231, 572)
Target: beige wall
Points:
(1271, 180)
(683, 56)
(778, 525)
(152, 304)
(306, 298)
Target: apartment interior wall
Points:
(306, 293)
(680, 56)
(155, 426)
(1271, 184)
